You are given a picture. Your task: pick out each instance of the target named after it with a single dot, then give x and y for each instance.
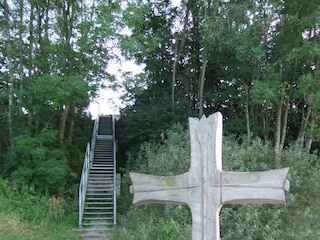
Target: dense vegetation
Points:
(26, 215)
(297, 219)
(255, 61)
(53, 59)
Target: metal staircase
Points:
(97, 191)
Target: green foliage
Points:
(260, 56)
(296, 219)
(170, 156)
(36, 161)
(26, 215)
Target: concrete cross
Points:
(206, 187)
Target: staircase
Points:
(97, 208)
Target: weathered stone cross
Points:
(206, 187)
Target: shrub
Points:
(37, 161)
(297, 219)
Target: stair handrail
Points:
(114, 172)
(93, 139)
(83, 182)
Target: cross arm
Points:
(254, 187)
(159, 189)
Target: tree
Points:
(241, 58)
(55, 56)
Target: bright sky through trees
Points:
(109, 100)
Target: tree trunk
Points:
(71, 129)
(284, 124)
(202, 80)
(277, 136)
(68, 17)
(63, 122)
(30, 60)
(21, 16)
(303, 126)
(248, 116)
(178, 55)
(11, 76)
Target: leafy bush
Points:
(297, 219)
(36, 161)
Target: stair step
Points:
(105, 186)
(100, 176)
(98, 208)
(97, 198)
(103, 163)
(102, 166)
(100, 182)
(103, 153)
(98, 213)
(103, 158)
(97, 195)
(95, 210)
(107, 173)
(96, 178)
(100, 228)
(101, 187)
(97, 218)
(100, 190)
(97, 224)
(99, 203)
(108, 192)
(101, 171)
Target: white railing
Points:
(83, 183)
(93, 139)
(114, 172)
(87, 164)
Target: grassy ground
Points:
(25, 215)
(13, 228)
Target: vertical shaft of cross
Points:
(204, 172)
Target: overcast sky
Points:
(108, 102)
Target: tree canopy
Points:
(255, 61)
(54, 56)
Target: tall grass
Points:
(25, 215)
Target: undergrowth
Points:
(25, 215)
(297, 219)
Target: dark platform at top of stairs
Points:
(105, 126)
